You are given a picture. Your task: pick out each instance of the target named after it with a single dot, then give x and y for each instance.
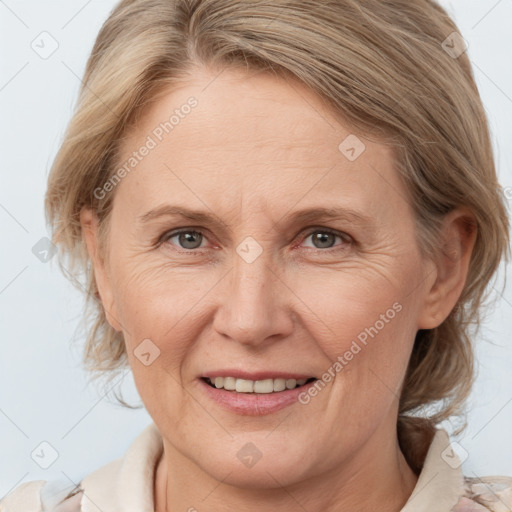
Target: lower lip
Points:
(254, 404)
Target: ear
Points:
(89, 223)
(451, 268)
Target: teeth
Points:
(291, 383)
(229, 383)
(264, 386)
(279, 384)
(258, 386)
(244, 386)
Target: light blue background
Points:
(43, 390)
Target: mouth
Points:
(255, 393)
(264, 386)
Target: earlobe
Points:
(452, 267)
(90, 233)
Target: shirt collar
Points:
(127, 483)
(441, 481)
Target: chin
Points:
(263, 475)
(253, 462)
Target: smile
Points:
(233, 391)
(264, 386)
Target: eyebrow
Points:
(306, 215)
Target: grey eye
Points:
(325, 238)
(188, 239)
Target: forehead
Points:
(257, 138)
(239, 110)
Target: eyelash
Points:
(344, 236)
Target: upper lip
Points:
(259, 375)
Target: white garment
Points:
(126, 484)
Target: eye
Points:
(324, 238)
(187, 238)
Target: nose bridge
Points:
(250, 311)
(251, 278)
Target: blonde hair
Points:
(383, 66)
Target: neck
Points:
(377, 477)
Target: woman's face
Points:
(256, 290)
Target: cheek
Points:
(156, 307)
(151, 298)
(358, 306)
(170, 309)
(365, 327)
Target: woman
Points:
(216, 146)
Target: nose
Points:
(254, 303)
